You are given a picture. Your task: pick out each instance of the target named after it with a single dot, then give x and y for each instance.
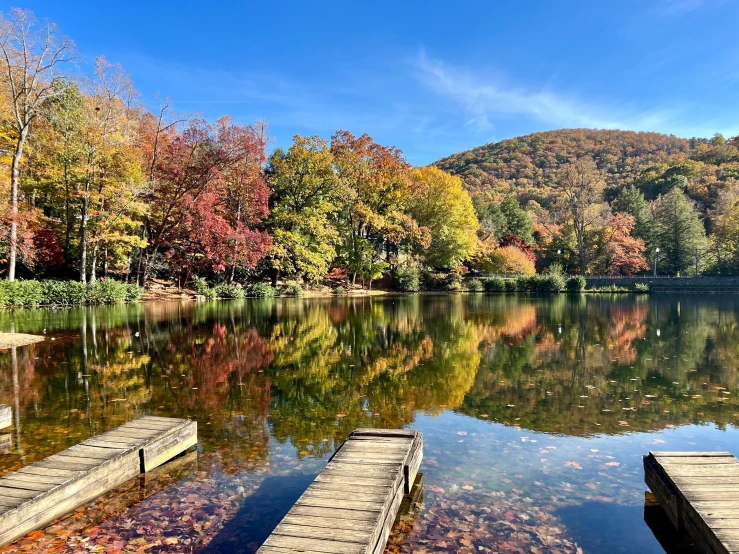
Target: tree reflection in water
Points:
(277, 385)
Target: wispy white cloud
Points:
(484, 98)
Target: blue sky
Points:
(431, 77)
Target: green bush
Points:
(576, 283)
(106, 291)
(293, 288)
(340, 291)
(609, 288)
(133, 292)
(540, 283)
(475, 285)
(510, 285)
(227, 290)
(25, 293)
(641, 287)
(260, 290)
(64, 293)
(406, 278)
(494, 284)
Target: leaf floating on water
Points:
(573, 464)
(468, 487)
(511, 405)
(623, 423)
(613, 464)
(462, 433)
(340, 415)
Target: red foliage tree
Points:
(509, 239)
(206, 198)
(624, 254)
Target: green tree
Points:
(517, 220)
(491, 219)
(303, 187)
(678, 232)
(441, 204)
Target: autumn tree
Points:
(623, 254)
(441, 204)
(678, 232)
(374, 185)
(631, 201)
(580, 187)
(303, 200)
(31, 54)
(189, 222)
(724, 242)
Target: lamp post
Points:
(656, 255)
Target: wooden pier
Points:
(352, 504)
(43, 491)
(699, 492)
(6, 416)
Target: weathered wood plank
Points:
(700, 492)
(45, 490)
(353, 502)
(6, 416)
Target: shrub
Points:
(133, 292)
(22, 293)
(475, 285)
(260, 290)
(293, 288)
(64, 293)
(641, 287)
(339, 291)
(227, 290)
(540, 283)
(576, 283)
(510, 285)
(609, 288)
(106, 291)
(406, 278)
(494, 284)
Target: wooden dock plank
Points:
(352, 504)
(43, 491)
(699, 491)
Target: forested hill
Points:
(525, 166)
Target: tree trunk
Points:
(105, 263)
(83, 240)
(14, 179)
(93, 264)
(68, 216)
(275, 276)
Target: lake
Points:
(535, 411)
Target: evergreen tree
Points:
(678, 232)
(517, 220)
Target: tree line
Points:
(97, 185)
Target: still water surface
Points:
(535, 411)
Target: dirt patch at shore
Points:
(8, 340)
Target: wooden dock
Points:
(43, 491)
(6, 416)
(351, 506)
(699, 492)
